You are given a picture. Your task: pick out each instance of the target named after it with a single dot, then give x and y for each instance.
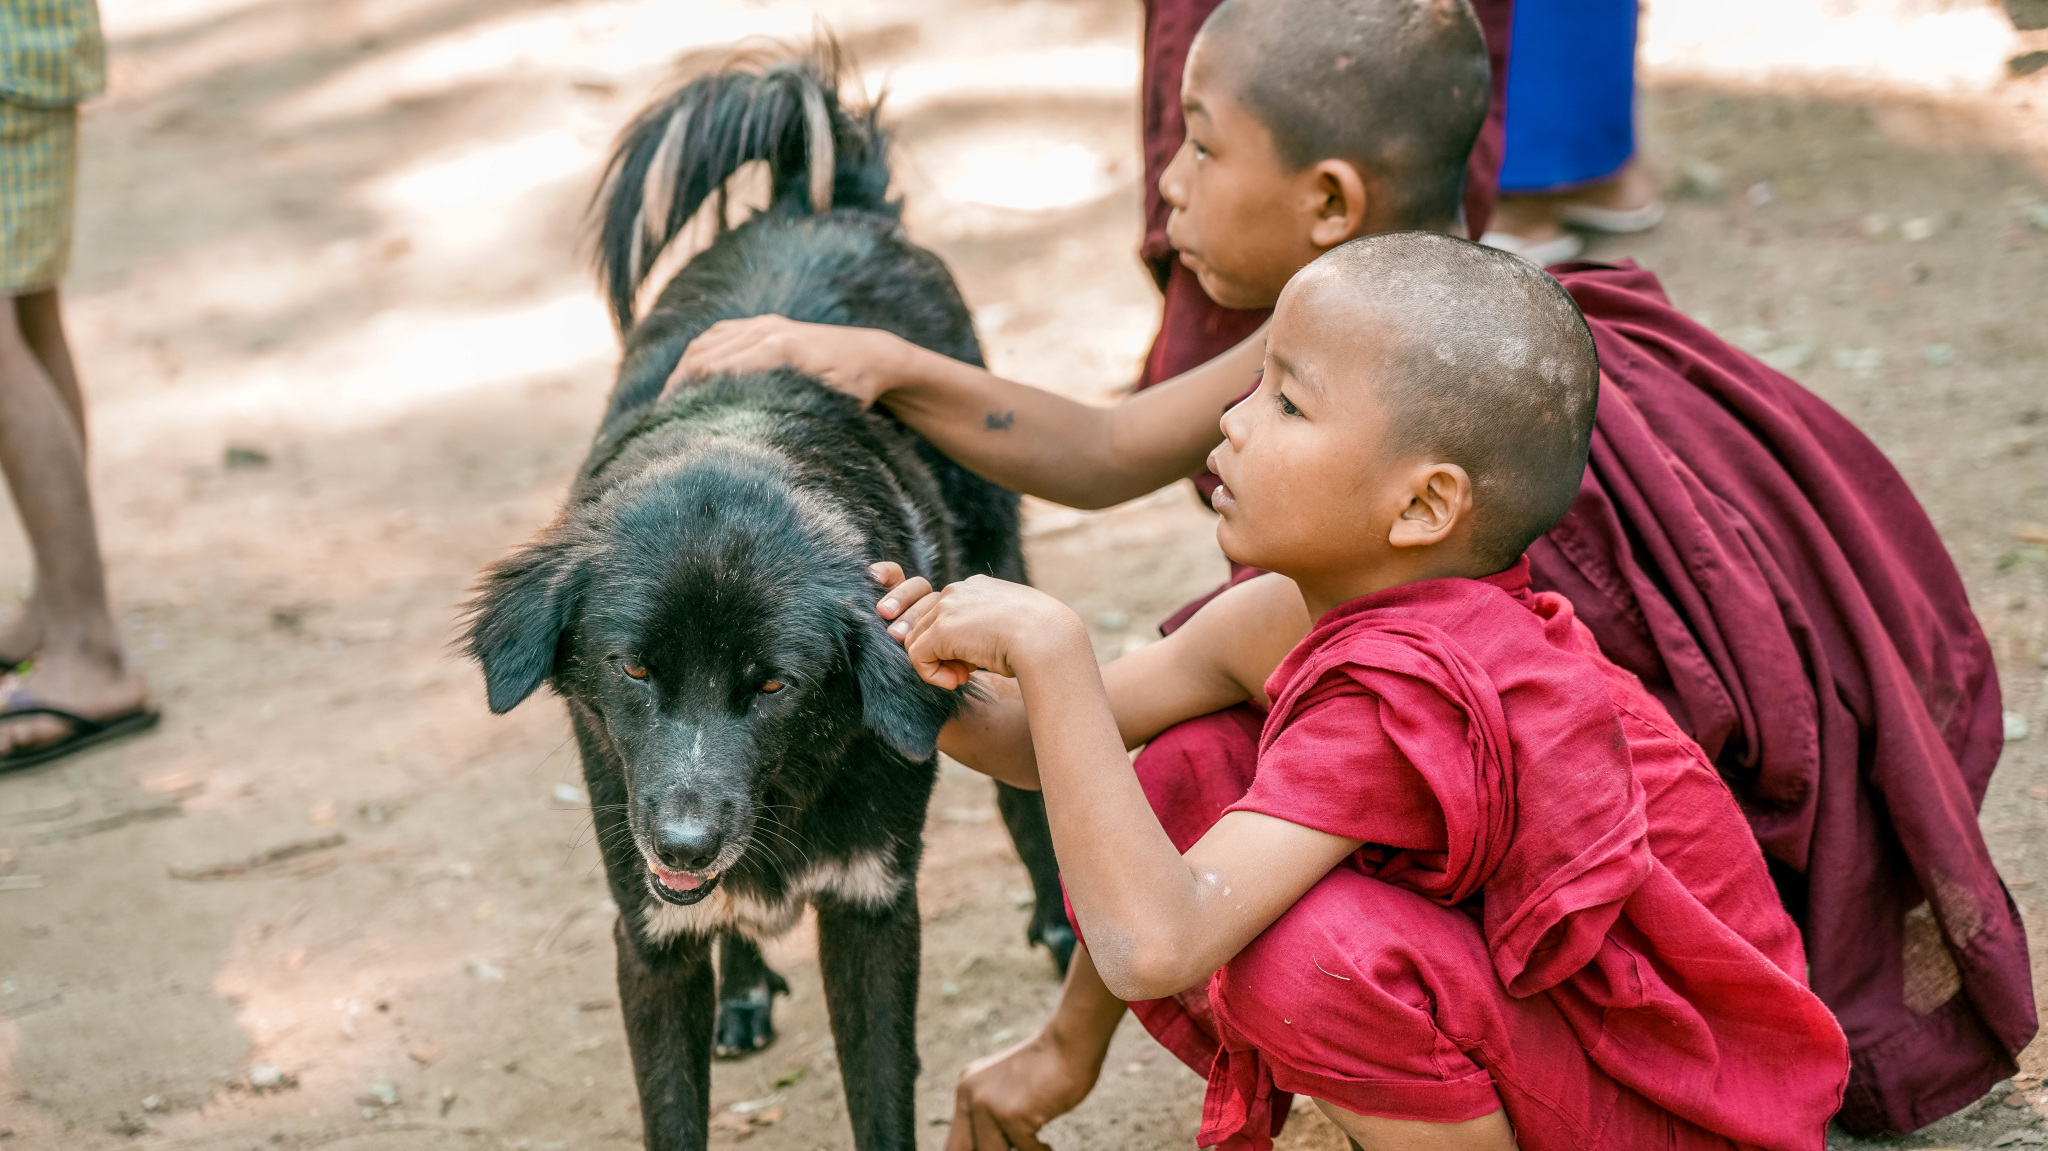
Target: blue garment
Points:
(1571, 93)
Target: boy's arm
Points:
(1219, 658)
(1027, 439)
(1156, 923)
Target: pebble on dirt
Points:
(264, 1077)
(1789, 358)
(2015, 727)
(1701, 179)
(240, 456)
(1918, 228)
(484, 971)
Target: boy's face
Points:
(1304, 491)
(1241, 221)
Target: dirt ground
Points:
(331, 306)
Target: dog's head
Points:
(719, 624)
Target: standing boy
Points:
(1736, 543)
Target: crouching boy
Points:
(1474, 889)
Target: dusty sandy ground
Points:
(345, 235)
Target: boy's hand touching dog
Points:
(859, 362)
(979, 623)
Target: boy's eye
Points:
(1201, 153)
(771, 687)
(1287, 407)
(635, 670)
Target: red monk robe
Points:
(1192, 329)
(1759, 563)
(1559, 909)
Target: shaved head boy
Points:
(1736, 544)
(1316, 93)
(1472, 890)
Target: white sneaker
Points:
(1614, 221)
(1541, 253)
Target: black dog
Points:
(752, 739)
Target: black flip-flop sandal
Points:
(85, 732)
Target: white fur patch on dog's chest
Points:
(869, 879)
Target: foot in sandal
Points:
(67, 701)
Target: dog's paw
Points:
(1058, 938)
(745, 1025)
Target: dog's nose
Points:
(686, 844)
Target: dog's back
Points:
(826, 251)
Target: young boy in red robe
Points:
(1736, 543)
(1473, 889)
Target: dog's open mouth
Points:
(684, 887)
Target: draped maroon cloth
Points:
(1558, 908)
(1194, 330)
(1761, 565)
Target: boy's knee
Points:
(1359, 957)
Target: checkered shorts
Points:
(38, 184)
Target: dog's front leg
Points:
(667, 992)
(868, 957)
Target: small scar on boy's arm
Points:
(999, 421)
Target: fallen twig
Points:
(260, 860)
(107, 823)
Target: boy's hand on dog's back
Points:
(859, 362)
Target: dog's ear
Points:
(516, 619)
(904, 710)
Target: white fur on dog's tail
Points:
(681, 151)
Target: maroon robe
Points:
(1761, 565)
(1558, 909)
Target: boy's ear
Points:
(1344, 202)
(1439, 500)
(904, 710)
(516, 619)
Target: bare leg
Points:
(42, 326)
(1372, 1133)
(1530, 218)
(1627, 190)
(80, 665)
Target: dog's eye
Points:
(635, 670)
(771, 687)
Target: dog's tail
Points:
(680, 152)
